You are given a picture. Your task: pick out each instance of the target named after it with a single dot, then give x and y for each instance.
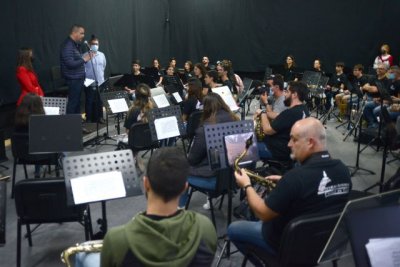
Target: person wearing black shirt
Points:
(317, 66)
(319, 185)
(194, 99)
(224, 78)
(187, 72)
(278, 131)
(172, 80)
(335, 85)
(211, 80)
(199, 71)
(290, 69)
(373, 95)
(155, 72)
(206, 63)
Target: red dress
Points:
(29, 83)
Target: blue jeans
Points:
(93, 104)
(74, 96)
(263, 151)
(393, 115)
(202, 182)
(243, 233)
(369, 112)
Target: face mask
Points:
(391, 76)
(94, 48)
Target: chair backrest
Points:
(139, 137)
(20, 149)
(390, 134)
(45, 201)
(316, 229)
(193, 123)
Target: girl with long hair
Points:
(140, 108)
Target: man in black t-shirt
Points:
(320, 184)
(335, 85)
(277, 132)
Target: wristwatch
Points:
(246, 186)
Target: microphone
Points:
(87, 45)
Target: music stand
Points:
(109, 84)
(3, 208)
(106, 96)
(311, 78)
(215, 143)
(227, 96)
(55, 134)
(162, 113)
(338, 244)
(121, 161)
(242, 98)
(60, 102)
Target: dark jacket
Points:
(197, 157)
(71, 62)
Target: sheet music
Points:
(177, 97)
(118, 105)
(384, 252)
(161, 101)
(52, 110)
(166, 127)
(98, 187)
(226, 95)
(88, 82)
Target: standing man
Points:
(72, 65)
(95, 71)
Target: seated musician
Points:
(275, 103)
(393, 103)
(317, 66)
(162, 235)
(320, 184)
(155, 72)
(131, 84)
(226, 76)
(200, 72)
(342, 99)
(138, 112)
(194, 100)
(171, 79)
(373, 95)
(211, 80)
(206, 63)
(335, 85)
(187, 72)
(277, 132)
(290, 69)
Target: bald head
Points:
(307, 137)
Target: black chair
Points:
(20, 152)
(59, 86)
(39, 201)
(294, 251)
(221, 188)
(139, 138)
(193, 123)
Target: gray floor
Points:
(50, 240)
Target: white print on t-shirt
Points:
(304, 115)
(333, 190)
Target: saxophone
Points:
(254, 177)
(258, 129)
(89, 247)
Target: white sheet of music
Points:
(227, 96)
(166, 127)
(52, 110)
(98, 187)
(161, 101)
(118, 105)
(177, 97)
(88, 82)
(384, 251)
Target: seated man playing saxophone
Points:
(319, 184)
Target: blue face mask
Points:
(94, 48)
(391, 76)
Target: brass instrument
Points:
(258, 129)
(268, 184)
(89, 247)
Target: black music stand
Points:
(60, 102)
(55, 134)
(159, 113)
(338, 245)
(353, 125)
(215, 143)
(3, 208)
(242, 98)
(121, 160)
(111, 95)
(109, 84)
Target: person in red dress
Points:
(26, 76)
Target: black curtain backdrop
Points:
(252, 33)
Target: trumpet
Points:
(89, 246)
(269, 185)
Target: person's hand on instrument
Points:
(242, 179)
(274, 178)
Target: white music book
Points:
(161, 101)
(52, 110)
(227, 96)
(177, 97)
(98, 187)
(118, 105)
(166, 127)
(88, 82)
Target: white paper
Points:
(384, 252)
(118, 105)
(98, 187)
(52, 110)
(161, 101)
(177, 97)
(226, 95)
(88, 82)
(166, 127)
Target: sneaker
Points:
(207, 206)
